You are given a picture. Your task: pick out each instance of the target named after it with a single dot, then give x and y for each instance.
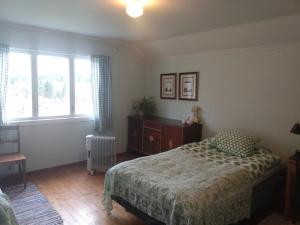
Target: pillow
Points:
(235, 143)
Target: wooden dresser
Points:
(151, 135)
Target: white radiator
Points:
(101, 153)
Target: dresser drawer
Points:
(171, 137)
(152, 125)
(151, 141)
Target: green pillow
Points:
(235, 143)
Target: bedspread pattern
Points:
(191, 185)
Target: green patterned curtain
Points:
(101, 93)
(4, 50)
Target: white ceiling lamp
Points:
(135, 8)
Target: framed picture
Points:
(188, 86)
(168, 86)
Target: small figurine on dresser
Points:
(194, 117)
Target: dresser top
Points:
(162, 120)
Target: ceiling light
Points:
(135, 8)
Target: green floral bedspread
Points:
(191, 185)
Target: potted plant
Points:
(145, 107)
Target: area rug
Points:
(31, 206)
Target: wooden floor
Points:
(77, 196)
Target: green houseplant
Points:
(145, 107)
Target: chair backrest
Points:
(6, 136)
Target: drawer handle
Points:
(170, 143)
(151, 138)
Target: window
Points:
(83, 93)
(53, 85)
(19, 94)
(43, 86)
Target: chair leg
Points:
(24, 173)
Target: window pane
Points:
(83, 90)
(19, 96)
(53, 85)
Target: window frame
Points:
(35, 118)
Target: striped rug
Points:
(31, 206)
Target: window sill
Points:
(49, 120)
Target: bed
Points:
(194, 184)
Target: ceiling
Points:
(161, 19)
(276, 32)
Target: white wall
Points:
(50, 145)
(254, 90)
(54, 144)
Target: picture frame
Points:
(168, 86)
(188, 86)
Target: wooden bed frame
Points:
(264, 194)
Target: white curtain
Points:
(4, 50)
(101, 93)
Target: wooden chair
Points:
(13, 157)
